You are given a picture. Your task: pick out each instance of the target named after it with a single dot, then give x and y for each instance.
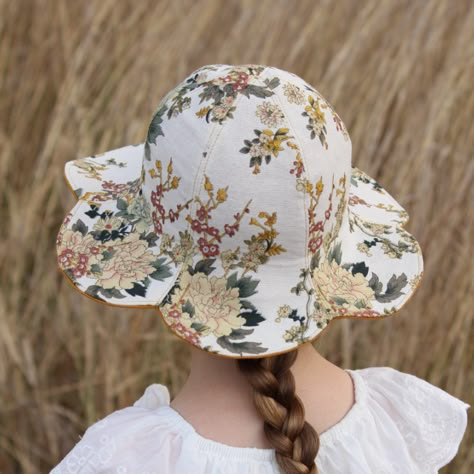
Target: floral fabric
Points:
(240, 218)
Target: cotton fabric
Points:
(399, 423)
(240, 219)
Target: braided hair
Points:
(295, 441)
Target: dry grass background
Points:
(78, 78)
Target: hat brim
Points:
(374, 258)
(107, 246)
(374, 243)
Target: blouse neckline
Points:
(176, 420)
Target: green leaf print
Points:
(79, 226)
(199, 327)
(245, 285)
(335, 254)
(154, 130)
(162, 271)
(394, 286)
(250, 313)
(240, 347)
(137, 289)
(203, 266)
(375, 284)
(189, 308)
(393, 290)
(360, 267)
(257, 91)
(121, 204)
(94, 290)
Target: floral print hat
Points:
(239, 219)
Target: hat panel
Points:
(276, 218)
(248, 238)
(173, 164)
(182, 130)
(323, 177)
(324, 167)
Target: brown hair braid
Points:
(295, 441)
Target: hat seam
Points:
(192, 205)
(212, 138)
(209, 153)
(199, 176)
(293, 130)
(276, 98)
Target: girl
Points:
(242, 222)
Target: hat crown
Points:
(247, 139)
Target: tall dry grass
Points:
(82, 77)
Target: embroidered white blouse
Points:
(399, 423)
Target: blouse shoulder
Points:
(403, 424)
(108, 440)
(398, 424)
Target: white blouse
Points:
(399, 423)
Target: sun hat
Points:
(240, 218)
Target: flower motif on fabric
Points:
(382, 235)
(338, 287)
(119, 248)
(90, 169)
(223, 91)
(270, 114)
(116, 252)
(265, 145)
(202, 303)
(131, 262)
(334, 286)
(159, 214)
(317, 235)
(110, 190)
(298, 165)
(294, 94)
(360, 177)
(77, 253)
(324, 104)
(317, 121)
(211, 306)
(343, 289)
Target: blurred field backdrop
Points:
(78, 78)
